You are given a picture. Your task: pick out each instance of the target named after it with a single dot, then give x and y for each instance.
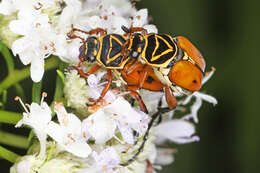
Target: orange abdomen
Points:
(151, 83)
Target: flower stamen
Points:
(44, 94)
(17, 98)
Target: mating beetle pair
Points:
(154, 62)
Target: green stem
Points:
(18, 75)
(13, 140)
(36, 92)
(8, 57)
(9, 117)
(8, 155)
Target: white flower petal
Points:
(55, 132)
(37, 69)
(19, 46)
(164, 156)
(78, 148)
(151, 28)
(21, 27)
(92, 81)
(121, 107)
(178, 131)
(141, 18)
(24, 166)
(206, 97)
(127, 133)
(194, 110)
(7, 7)
(107, 157)
(100, 126)
(207, 77)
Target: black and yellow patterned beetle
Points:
(108, 51)
(176, 61)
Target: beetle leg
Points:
(131, 30)
(100, 31)
(136, 95)
(149, 167)
(134, 66)
(143, 76)
(104, 91)
(170, 98)
(92, 70)
(97, 31)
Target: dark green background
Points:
(226, 32)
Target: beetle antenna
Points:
(125, 29)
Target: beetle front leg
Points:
(83, 74)
(104, 91)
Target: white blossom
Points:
(178, 131)
(75, 90)
(68, 132)
(102, 124)
(107, 159)
(164, 156)
(105, 138)
(27, 164)
(7, 7)
(37, 118)
(44, 30)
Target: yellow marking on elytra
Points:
(170, 48)
(165, 64)
(99, 51)
(110, 49)
(156, 47)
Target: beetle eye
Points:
(186, 75)
(91, 58)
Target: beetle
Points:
(175, 60)
(106, 51)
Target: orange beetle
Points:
(176, 62)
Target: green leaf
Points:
(8, 155)
(61, 75)
(13, 140)
(59, 87)
(10, 117)
(36, 92)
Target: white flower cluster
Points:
(111, 132)
(44, 24)
(105, 139)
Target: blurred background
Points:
(226, 32)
